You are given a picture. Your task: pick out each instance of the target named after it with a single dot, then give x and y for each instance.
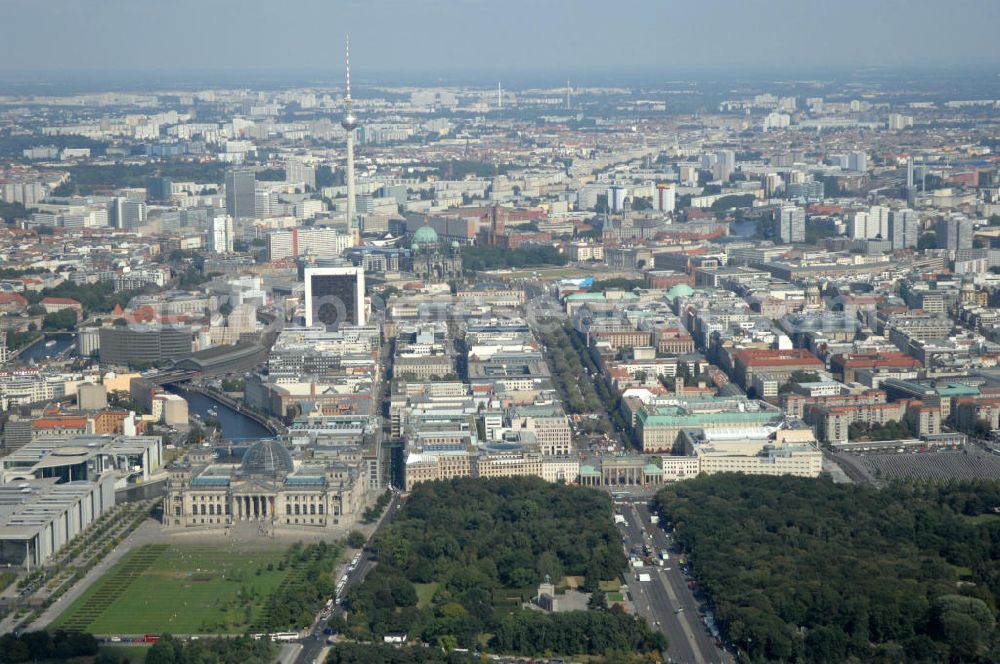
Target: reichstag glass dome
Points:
(267, 458)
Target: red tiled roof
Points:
(890, 359)
(13, 297)
(59, 422)
(61, 300)
(752, 357)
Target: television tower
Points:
(350, 123)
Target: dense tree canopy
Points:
(241, 650)
(616, 284)
(95, 298)
(805, 571)
(12, 211)
(891, 430)
(64, 319)
(357, 653)
(87, 178)
(294, 604)
(476, 549)
(42, 646)
(492, 258)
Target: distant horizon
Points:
(79, 80)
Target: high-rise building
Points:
(241, 185)
(904, 228)
(898, 121)
(221, 235)
(297, 170)
(616, 198)
(878, 222)
(350, 125)
(857, 161)
(264, 204)
(159, 189)
(790, 224)
(319, 242)
(954, 232)
(811, 190)
(666, 198)
(127, 213)
(335, 296)
(858, 228)
(725, 164)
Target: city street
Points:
(314, 646)
(665, 600)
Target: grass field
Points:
(134, 654)
(981, 518)
(546, 273)
(425, 593)
(180, 589)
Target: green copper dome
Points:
(680, 290)
(425, 235)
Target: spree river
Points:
(40, 351)
(235, 427)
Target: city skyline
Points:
(569, 329)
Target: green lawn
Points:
(134, 654)
(425, 593)
(981, 518)
(179, 589)
(558, 272)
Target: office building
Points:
(878, 222)
(898, 121)
(39, 517)
(725, 164)
(904, 228)
(221, 235)
(241, 184)
(335, 296)
(159, 189)
(297, 171)
(790, 224)
(812, 190)
(319, 242)
(616, 198)
(142, 344)
(857, 161)
(954, 232)
(128, 214)
(666, 198)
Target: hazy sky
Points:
(446, 36)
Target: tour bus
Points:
(284, 637)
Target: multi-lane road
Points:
(665, 600)
(314, 646)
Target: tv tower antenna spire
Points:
(350, 124)
(347, 63)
